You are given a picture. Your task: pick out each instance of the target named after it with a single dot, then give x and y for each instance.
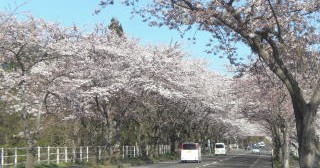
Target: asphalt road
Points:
(244, 160)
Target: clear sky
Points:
(81, 13)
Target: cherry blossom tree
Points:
(269, 104)
(105, 78)
(95, 67)
(24, 46)
(282, 34)
(161, 70)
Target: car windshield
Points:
(219, 146)
(189, 146)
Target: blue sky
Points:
(81, 13)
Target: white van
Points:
(190, 152)
(220, 149)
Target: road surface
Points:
(244, 160)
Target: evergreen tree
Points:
(116, 27)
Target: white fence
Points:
(11, 157)
(135, 151)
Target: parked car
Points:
(256, 150)
(261, 144)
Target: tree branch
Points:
(315, 99)
(230, 2)
(278, 24)
(282, 72)
(186, 5)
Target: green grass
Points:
(112, 163)
(141, 161)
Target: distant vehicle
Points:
(255, 150)
(190, 152)
(261, 144)
(220, 149)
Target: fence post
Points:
(127, 151)
(122, 152)
(80, 153)
(87, 154)
(147, 149)
(99, 153)
(2, 157)
(48, 154)
(15, 157)
(134, 151)
(74, 154)
(138, 150)
(58, 155)
(65, 154)
(162, 149)
(157, 148)
(39, 154)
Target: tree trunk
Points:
(305, 113)
(173, 144)
(143, 146)
(276, 143)
(285, 148)
(30, 139)
(31, 154)
(308, 145)
(30, 163)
